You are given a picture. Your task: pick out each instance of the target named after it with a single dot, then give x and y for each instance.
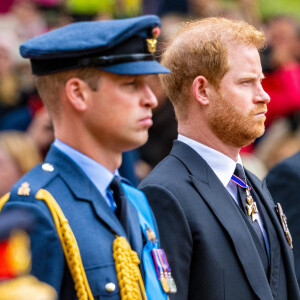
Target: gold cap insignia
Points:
(283, 220)
(24, 189)
(47, 167)
(151, 43)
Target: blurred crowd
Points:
(25, 127)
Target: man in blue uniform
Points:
(91, 78)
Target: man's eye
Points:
(130, 81)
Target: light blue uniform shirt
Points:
(223, 166)
(98, 174)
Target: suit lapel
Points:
(219, 200)
(285, 249)
(83, 189)
(270, 208)
(274, 246)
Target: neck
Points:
(206, 137)
(95, 150)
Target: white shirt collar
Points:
(222, 165)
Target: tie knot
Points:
(239, 172)
(116, 187)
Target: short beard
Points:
(234, 127)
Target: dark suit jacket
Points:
(283, 181)
(209, 246)
(92, 222)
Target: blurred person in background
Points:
(161, 134)
(280, 61)
(18, 155)
(9, 81)
(283, 182)
(15, 259)
(281, 66)
(164, 129)
(24, 19)
(41, 131)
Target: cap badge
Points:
(24, 189)
(151, 43)
(283, 220)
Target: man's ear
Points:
(200, 86)
(77, 92)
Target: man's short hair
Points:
(201, 48)
(50, 86)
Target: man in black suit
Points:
(283, 182)
(217, 221)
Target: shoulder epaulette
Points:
(32, 182)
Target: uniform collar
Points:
(98, 174)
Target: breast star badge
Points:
(283, 221)
(251, 207)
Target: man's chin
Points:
(247, 140)
(139, 141)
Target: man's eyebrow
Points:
(253, 76)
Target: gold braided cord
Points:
(126, 260)
(3, 200)
(128, 273)
(69, 245)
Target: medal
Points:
(164, 283)
(160, 271)
(283, 221)
(167, 270)
(163, 271)
(172, 284)
(251, 205)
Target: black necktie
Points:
(239, 172)
(121, 202)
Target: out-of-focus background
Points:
(25, 127)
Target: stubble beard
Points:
(233, 126)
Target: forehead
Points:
(243, 60)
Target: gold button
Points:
(47, 167)
(110, 287)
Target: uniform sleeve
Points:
(175, 235)
(283, 183)
(46, 250)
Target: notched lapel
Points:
(224, 208)
(270, 207)
(226, 211)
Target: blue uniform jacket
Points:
(92, 222)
